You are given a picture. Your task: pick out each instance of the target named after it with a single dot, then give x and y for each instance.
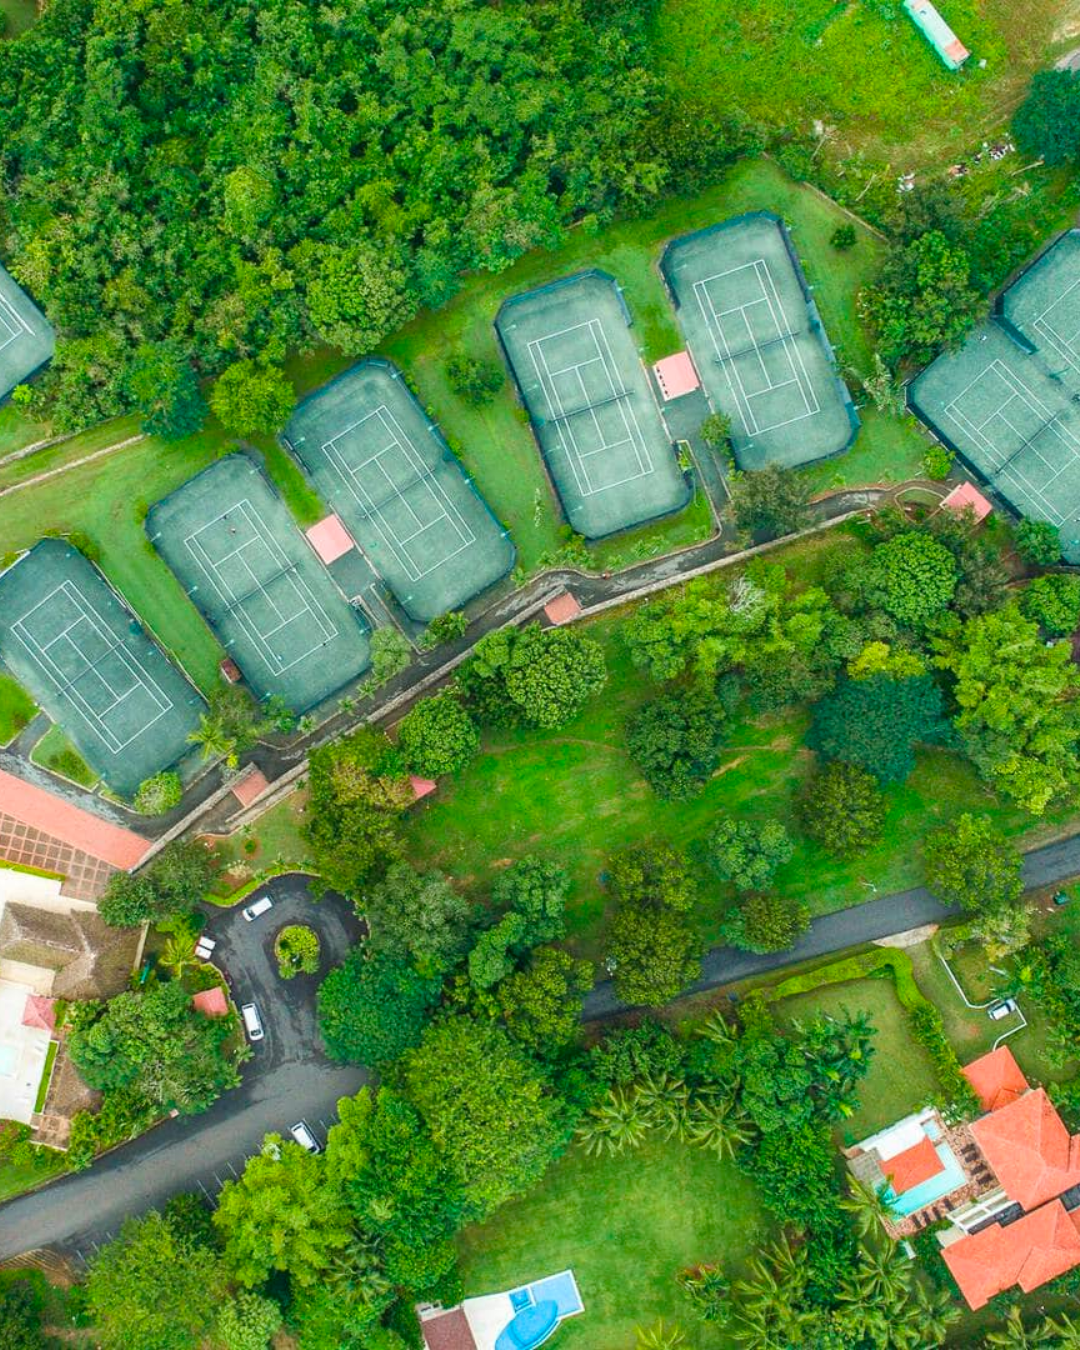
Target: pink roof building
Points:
(421, 787)
(211, 1002)
(676, 376)
(249, 786)
(39, 1012)
(562, 608)
(79, 829)
(330, 539)
(965, 497)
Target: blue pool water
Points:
(562, 1289)
(933, 1188)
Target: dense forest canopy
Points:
(207, 181)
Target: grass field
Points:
(16, 709)
(863, 70)
(55, 752)
(626, 1226)
(901, 1076)
(20, 14)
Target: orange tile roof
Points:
(69, 823)
(1036, 1248)
(562, 608)
(1032, 1153)
(251, 785)
(212, 1003)
(996, 1078)
(913, 1166)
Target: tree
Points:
(619, 1120)
(159, 794)
(770, 502)
(152, 1289)
(541, 1005)
(444, 628)
(654, 952)
(969, 863)
(542, 677)
(281, 1214)
(912, 577)
(1053, 602)
(535, 889)
(1047, 123)
(876, 723)
(654, 873)
(766, 923)
(391, 652)
(923, 300)
(165, 389)
(249, 399)
(493, 955)
(356, 293)
(746, 854)
(373, 1008)
(675, 742)
(297, 950)
(475, 381)
(21, 1314)
(247, 1321)
(418, 915)
(716, 431)
(232, 723)
(173, 884)
(842, 808)
(1038, 543)
(438, 736)
(1019, 717)
(130, 899)
(489, 1110)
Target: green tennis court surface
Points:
(71, 641)
(237, 552)
(384, 468)
(1008, 402)
(592, 409)
(758, 343)
(26, 337)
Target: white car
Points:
(1002, 1009)
(257, 907)
(252, 1022)
(304, 1137)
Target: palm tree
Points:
(927, 1319)
(866, 1207)
(176, 955)
(618, 1121)
(659, 1337)
(717, 1124)
(357, 1275)
(718, 1030)
(665, 1100)
(881, 1277)
(1013, 1335)
(1061, 1332)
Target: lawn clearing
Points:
(15, 1178)
(626, 1226)
(863, 70)
(55, 752)
(274, 839)
(16, 709)
(901, 1077)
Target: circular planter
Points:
(297, 951)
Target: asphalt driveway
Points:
(287, 1079)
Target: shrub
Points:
(444, 628)
(937, 462)
(297, 950)
(438, 736)
(842, 809)
(766, 923)
(843, 238)
(475, 381)
(1053, 602)
(159, 794)
(716, 431)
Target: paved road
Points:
(288, 1078)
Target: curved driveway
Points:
(288, 1078)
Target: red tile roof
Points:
(253, 784)
(1034, 1249)
(448, 1331)
(63, 820)
(967, 496)
(913, 1166)
(421, 787)
(1030, 1150)
(330, 539)
(562, 608)
(39, 1012)
(996, 1078)
(211, 1002)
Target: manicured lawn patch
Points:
(901, 1077)
(863, 70)
(46, 1075)
(626, 1226)
(16, 708)
(54, 751)
(18, 1177)
(273, 838)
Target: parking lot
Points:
(287, 1079)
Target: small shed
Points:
(937, 32)
(330, 539)
(39, 1013)
(249, 786)
(230, 671)
(421, 787)
(967, 497)
(562, 608)
(676, 376)
(211, 1002)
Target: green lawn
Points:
(18, 1177)
(274, 838)
(901, 1076)
(863, 70)
(16, 709)
(626, 1226)
(20, 15)
(55, 752)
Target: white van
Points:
(252, 1022)
(304, 1137)
(257, 907)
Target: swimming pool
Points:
(951, 1179)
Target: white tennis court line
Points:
(1015, 391)
(770, 298)
(65, 684)
(12, 325)
(566, 430)
(395, 441)
(1065, 345)
(219, 573)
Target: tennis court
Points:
(238, 553)
(1008, 402)
(70, 640)
(593, 413)
(379, 462)
(758, 343)
(27, 339)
